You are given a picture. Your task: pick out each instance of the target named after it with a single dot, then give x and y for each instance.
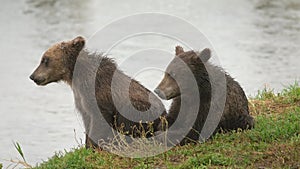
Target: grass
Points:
(273, 143)
(20, 151)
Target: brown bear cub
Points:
(101, 92)
(235, 113)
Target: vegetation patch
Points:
(273, 143)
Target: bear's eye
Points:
(45, 61)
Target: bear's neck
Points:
(90, 68)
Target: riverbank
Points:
(273, 143)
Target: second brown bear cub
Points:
(235, 113)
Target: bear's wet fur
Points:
(236, 112)
(90, 77)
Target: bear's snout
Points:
(32, 77)
(37, 80)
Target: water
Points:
(257, 43)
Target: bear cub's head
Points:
(58, 62)
(185, 67)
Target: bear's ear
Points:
(178, 50)
(78, 43)
(204, 55)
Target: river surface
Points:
(257, 41)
